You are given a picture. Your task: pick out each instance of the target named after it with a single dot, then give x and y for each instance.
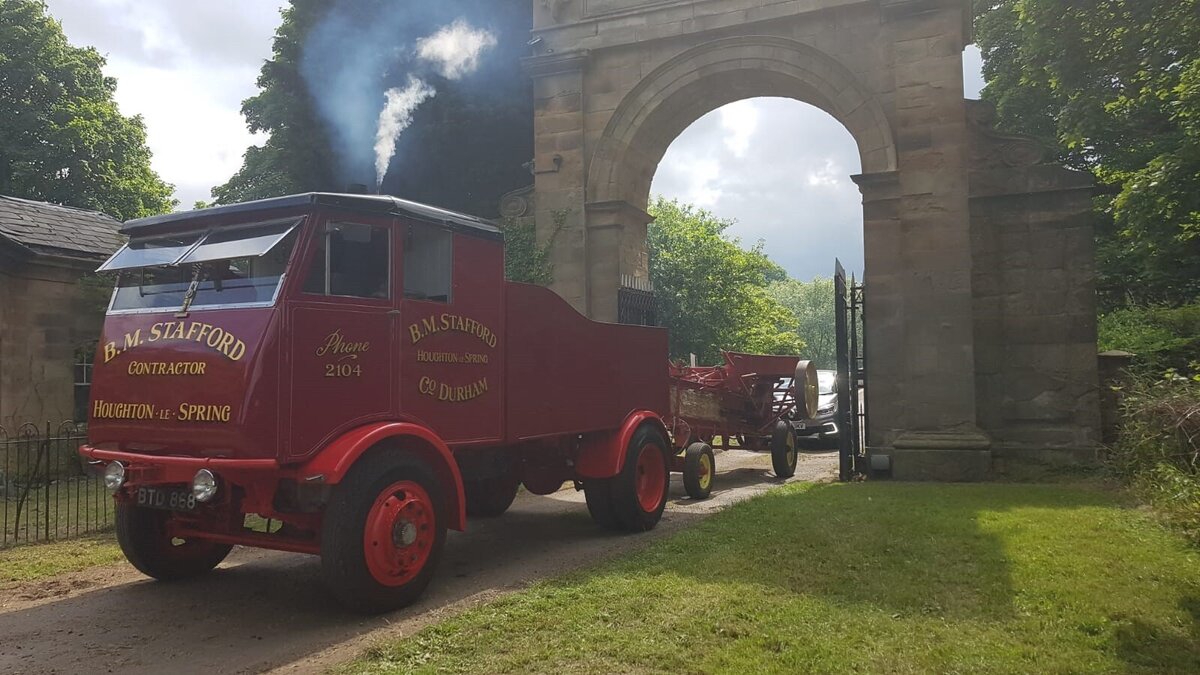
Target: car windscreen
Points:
(825, 381)
(250, 275)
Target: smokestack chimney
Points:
(357, 189)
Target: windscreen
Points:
(826, 379)
(242, 266)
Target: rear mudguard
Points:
(603, 455)
(331, 464)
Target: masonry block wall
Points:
(44, 319)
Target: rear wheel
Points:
(639, 492)
(490, 497)
(699, 465)
(783, 450)
(383, 533)
(598, 493)
(142, 534)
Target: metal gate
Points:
(851, 375)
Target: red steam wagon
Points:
(356, 371)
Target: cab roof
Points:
(374, 204)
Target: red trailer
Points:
(751, 399)
(355, 371)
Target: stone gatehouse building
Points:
(49, 320)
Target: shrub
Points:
(1158, 452)
(1161, 337)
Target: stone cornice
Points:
(623, 210)
(554, 64)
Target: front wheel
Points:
(783, 450)
(383, 533)
(143, 537)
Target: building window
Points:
(84, 356)
(352, 260)
(428, 263)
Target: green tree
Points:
(466, 146)
(712, 293)
(1114, 85)
(62, 138)
(296, 156)
(812, 303)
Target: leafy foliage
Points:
(712, 293)
(297, 156)
(466, 146)
(526, 260)
(1159, 448)
(1115, 86)
(812, 303)
(1163, 338)
(62, 138)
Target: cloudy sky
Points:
(779, 167)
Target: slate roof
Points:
(50, 229)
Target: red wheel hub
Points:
(651, 477)
(399, 533)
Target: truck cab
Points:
(354, 371)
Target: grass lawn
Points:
(67, 508)
(873, 577)
(29, 563)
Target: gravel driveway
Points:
(266, 611)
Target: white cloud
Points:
(972, 71)
(185, 67)
(787, 183)
(740, 121)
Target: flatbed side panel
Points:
(568, 374)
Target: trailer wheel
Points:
(142, 534)
(491, 497)
(699, 465)
(783, 450)
(639, 492)
(382, 533)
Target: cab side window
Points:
(428, 263)
(352, 260)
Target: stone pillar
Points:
(559, 169)
(919, 311)
(1035, 303)
(616, 248)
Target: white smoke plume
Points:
(396, 116)
(455, 49)
(454, 52)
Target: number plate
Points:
(801, 426)
(167, 498)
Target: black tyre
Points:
(142, 534)
(383, 533)
(783, 450)
(491, 497)
(639, 492)
(598, 493)
(699, 468)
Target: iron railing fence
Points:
(47, 492)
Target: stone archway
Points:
(961, 320)
(716, 73)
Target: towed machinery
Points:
(354, 371)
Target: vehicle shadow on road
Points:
(265, 610)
